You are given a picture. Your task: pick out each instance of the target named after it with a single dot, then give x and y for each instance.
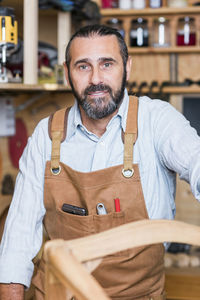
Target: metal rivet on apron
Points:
(56, 171)
(127, 173)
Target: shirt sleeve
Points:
(178, 146)
(23, 231)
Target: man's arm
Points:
(11, 291)
(22, 237)
(178, 146)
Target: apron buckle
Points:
(56, 171)
(128, 172)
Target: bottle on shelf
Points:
(155, 3)
(109, 3)
(161, 32)
(115, 3)
(106, 3)
(186, 32)
(117, 24)
(138, 4)
(139, 35)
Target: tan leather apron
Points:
(132, 274)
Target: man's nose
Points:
(96, 76)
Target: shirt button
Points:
(102, 143)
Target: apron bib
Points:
(131, 274)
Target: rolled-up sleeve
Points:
(23, 230)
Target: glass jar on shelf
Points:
(138, 4)
(161, 32)
(139, 35)
(125, 4)
(186, 32)
(117, 24)
(155, 3)
(177, 3)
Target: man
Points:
(91, 168)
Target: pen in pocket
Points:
(117, 205)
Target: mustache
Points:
(97, 88)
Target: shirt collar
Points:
(123, 110)
(75, 117)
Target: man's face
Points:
(97, 75)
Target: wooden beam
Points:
(30, 41)
(64, 34)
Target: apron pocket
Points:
(74, 226)
(108, 221)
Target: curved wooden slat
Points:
(63, 257)
(72, 274)
(131, 235)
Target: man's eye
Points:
(107, 64)
(83, 67)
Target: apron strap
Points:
(58, 130)
(130, 136)
(57, 133)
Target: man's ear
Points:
(66, 73)
(128, 67)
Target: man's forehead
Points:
(96, 36)
(95, 44)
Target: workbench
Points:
(183, 283)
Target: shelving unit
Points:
(149, 13)
(28, 13)
(161, 64)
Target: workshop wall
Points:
(48, 103)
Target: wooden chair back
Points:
(69, 263)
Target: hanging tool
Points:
(153, 84)
(17, 142)
(8, 38)
(142, 85)
(7, 185)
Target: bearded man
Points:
(76, 160)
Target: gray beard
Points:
(97, 111)
(100, 111)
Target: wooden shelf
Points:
(20, 87)
(181, 49)
(171, 90)
(151, 11)
(182, 90)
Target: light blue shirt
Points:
(166, 144)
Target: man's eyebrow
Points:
(80, 61)
(104, 59)
(101, 59)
